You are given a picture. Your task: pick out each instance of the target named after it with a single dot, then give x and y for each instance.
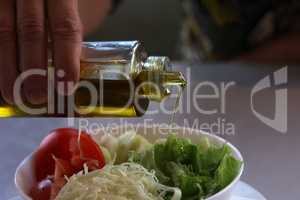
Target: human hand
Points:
(25, 26)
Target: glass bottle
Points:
(123, 80)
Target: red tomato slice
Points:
(63, 153)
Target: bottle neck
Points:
(157, 76)
(157, 63)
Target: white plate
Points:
(243, 191)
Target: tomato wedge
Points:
(63, 153)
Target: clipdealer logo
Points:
(280, 120)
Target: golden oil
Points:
(124, 79)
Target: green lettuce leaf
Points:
(199, 170)
(227, 170)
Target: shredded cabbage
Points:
(119, 147)
(128, 181)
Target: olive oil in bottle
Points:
(117, 79)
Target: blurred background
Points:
(157, 23)
(202, 30)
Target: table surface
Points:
(272, 161)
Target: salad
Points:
(73, 165)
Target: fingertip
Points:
(68, 79)
(36, 96)
(69, 74)
(8, 96)
(7, 86)
(67, 64)
(35, 91)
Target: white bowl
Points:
(25, 177)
